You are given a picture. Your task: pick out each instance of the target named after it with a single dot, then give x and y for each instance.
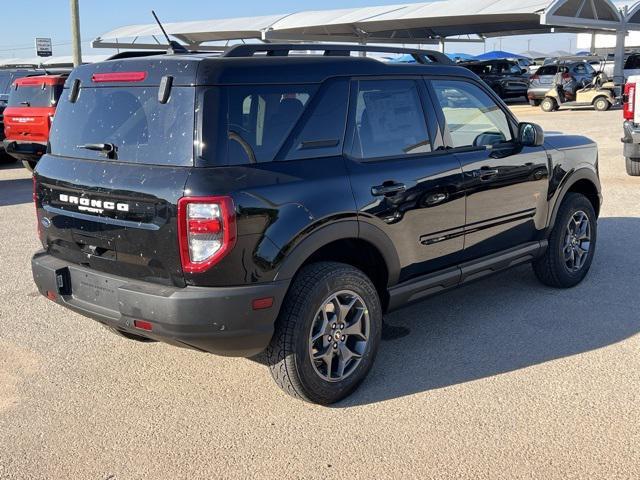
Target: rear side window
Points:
(5, 81)
(548, 70)
(142, 129)
(260, 118)
(34, 95)
(633, 62)
(389, 120)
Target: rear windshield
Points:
(142, 129)
(34, 95)
(548, 70)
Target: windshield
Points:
(142, 129)
(34, 95)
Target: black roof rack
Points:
(339, 50)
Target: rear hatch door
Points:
(116, 212)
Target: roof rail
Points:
(339, 50)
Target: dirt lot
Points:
(540, 384)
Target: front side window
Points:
(389, 120)
(474, 119)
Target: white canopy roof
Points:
(403, 23)
(59, 61)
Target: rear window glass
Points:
(34, 95)
(260, 118)
(142, 129)
(548, 70)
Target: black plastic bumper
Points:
(631, 140)
(25, 151)
(215, 320)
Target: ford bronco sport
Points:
(275, 206)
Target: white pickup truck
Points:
(631, 126)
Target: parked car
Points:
(575, 75)
(28, 116)
(631, 126)
(277, 206)
(7, 77)
(631, 66)
(505, 77)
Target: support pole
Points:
(75, 33)
(443, 42)
(593, 43)
(621, 34)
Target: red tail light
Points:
(629, 101)
(118, 77)
(206, 231)
(566, 76)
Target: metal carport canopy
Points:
(404, 23)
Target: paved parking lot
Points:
(500, 379)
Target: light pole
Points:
(75, 33)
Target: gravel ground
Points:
(500, 379)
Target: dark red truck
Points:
(28, 116)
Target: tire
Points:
(548, 105)
(289, 355)
(554, 267)
(534, 103)
(31, 166)
(633, 166)
(601, 104)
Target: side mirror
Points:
(530, 135)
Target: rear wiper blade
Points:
(108, 149)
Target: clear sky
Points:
(50, 18)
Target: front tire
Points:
(571, 245)
(548, 105)
(326, 299)
(633, 166)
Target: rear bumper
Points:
(26, 151)
(215, 320)
(537, 93)
(631, 140)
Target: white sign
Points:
(44, 47)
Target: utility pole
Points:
(75, 33)
(529, 45)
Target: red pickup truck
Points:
(28, 116)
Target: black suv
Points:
(271, 206)
(506, 77)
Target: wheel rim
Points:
(577, 241)
(339, 335)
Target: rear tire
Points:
(572, 244)
(534, 103)
(302, 359)
(601, 104)
(633, 166)
(548, 105)
(31, 166)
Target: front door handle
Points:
(388, 189)
(486, 173)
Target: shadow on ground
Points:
(509, 322)
(16, 191)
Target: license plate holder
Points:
(95, 289)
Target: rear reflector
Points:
(51, 295)
(143, 325)
(262, 303)
(119, 77)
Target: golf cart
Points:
(599, 94)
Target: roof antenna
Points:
(174, 47)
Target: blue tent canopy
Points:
(460, 56)
(497, 55)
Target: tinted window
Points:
(260, 118)
(141, 128)
(389, 120)
(5, 81)
(633, 62)
(547, 70)
(473, 118)
(322, 132)
(34, 95)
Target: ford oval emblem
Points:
(46, 223)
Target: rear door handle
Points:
(387, 189)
